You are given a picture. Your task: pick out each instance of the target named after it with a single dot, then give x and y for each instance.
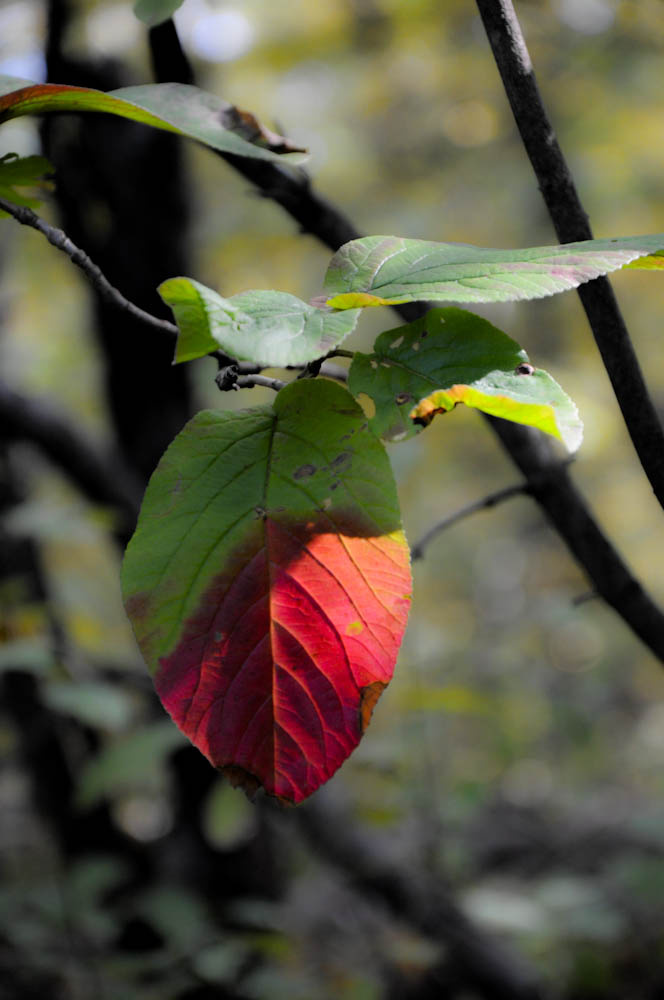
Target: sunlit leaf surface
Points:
(266, 327)
(386, 270)
(451, 356)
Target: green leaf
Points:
(153, 12)
(386, 270)
(451, 356)
(265, 327)
(21, 172)
(173, 107)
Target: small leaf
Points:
(154, 12)
(21, 172)
(451, 356)
(173, 107)
(268, 584)
(399, 270)
(265, 327)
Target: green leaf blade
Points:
(451, 356)
(395, 270)
(172, 107)
(268, 328)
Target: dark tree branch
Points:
(481, 963)
(229, 378)
(103, 478)
(417, 551)
(60, 240)
(566, 509)
(571, 224)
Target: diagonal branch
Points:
(103, 478)
(482, 963)
(549, 483)
(60, 240)
(571, 223)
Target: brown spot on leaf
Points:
(425, 418)
(138, 606)
(524, 369)
(403, 397)
(304, 472)
(369, 696)
(341, 461)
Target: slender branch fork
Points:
(571, 224)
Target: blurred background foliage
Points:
(517, 755)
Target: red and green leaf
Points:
(173, 107)
(268, 584)
(386, 270)
(451, 356)
(266, 327)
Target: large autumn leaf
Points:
(266, 327)
(268, 584)
(173, 107)
(451, 356)
(386, 270)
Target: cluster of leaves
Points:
(268, 580)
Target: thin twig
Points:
(417, 551)
(571, 224)
(229, 377)
(60, 240)
(340, 352)
(249, 381)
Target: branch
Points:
(103, 478)
(564, 506)
(420, 899)
(417, 551)
(571, 224)
(60, 240)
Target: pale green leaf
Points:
(386, 270)
(265, 327)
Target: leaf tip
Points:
(369, 695)
(238, 777)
